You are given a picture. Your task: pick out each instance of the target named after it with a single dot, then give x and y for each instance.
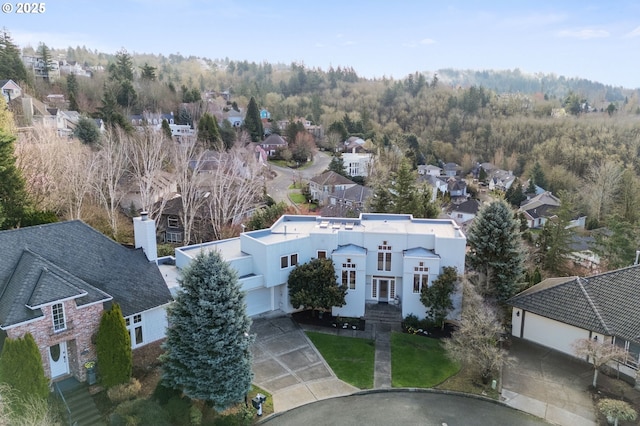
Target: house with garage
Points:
(322, 185)
(57, 279)
(381, 258)
(558, 311)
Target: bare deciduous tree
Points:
(148, 154)
(188, 161)
(235, 184)
(111, 167)
(597, 353)
(476, 342)
(603, 181)
(77, 176)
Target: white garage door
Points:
(552, 334)
(258, 301)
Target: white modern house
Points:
(382, 258)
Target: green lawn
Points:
(419, 362)
(352, 359)
(297, 198)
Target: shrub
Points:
(195, 416)
(21, 368)
(125, 391)
(115, 360)
(163, 393)
(139, 412)
(178, 410)
(411, 321)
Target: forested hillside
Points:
(584, 136)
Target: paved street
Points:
(278, 187)
(403, 407)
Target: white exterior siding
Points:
(154, 326)
(547, 332)
(257, 256)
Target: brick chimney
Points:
(144, 230)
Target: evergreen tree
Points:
(252, 121)
(437, 297)
(113, 345)
(538, 177)
(21, 367)
(228, 134)
(122, 69)
(404, 190)
(515, 195)
(45, 54)
(147, 72)
(496, 249)
(87, 131)
(208, 132)
(313, 285)
(207, 352)
(166, 129)
(11, 65)
(337, 165)
(13, 195)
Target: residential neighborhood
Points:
(193, 240)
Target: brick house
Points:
(57, 279)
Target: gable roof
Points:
(274, 139)
(70, 260)
(471, 206)
(605, 303)
(331, 178)
(356, 193)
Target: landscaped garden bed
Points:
(325, 319)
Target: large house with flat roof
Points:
(382, 258)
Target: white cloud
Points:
(585, 34)
(634, 33)
(534, 20)
(427, 41)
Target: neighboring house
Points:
(451, 169)
(273, 143)
(582, 253)
(170, 227)
(464, 212)
(37, 65)
(381, 258)
(539, 209)
(500, 180)
(57, 279)
(429, 170)
(457, 187)
(557, 311)
(357, 163)
(10, 90)
(347, 202)
(322, 185)
(265, 115)
(439, 184)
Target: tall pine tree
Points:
(252, 121)
(13, 195)
(496, 250)
(11, 65)
(113, 345)
(207, 348)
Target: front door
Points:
(383, 289)
(58, 360)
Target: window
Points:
(420, 277)
(633, 352)
(57, 311)
(349, 274)
(286, 261)
(322, 254)
(138, 334)
(384, 257)
(172, 222)
(173, 237)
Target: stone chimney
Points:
(144, 230)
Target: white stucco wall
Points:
(154, 325)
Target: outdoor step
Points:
(83, 408)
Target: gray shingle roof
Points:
(46, 263)
(606, 303)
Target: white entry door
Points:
(384, 289)
(58, 360)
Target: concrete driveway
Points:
(286, 364)
(548, 384)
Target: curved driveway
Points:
(278, 187)
(404, 408)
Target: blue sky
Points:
(596, 40)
